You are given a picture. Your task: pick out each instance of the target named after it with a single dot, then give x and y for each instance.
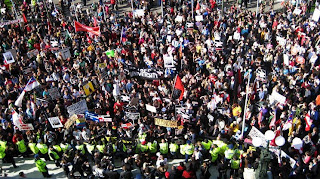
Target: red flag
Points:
(273, 141)
(95, 23)
(88, 39)
(308, 122)
(24, 18)
(198, 6)
(260, 118)
(273, 121)
(179, 86)
(80, 27)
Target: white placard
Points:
(282, 41)
(199, 18)
(55, 122)
(104, 118)
(261, 73)
(286, 59)
(8, 58)
(133, 115)
(65, 53)
(236, 35)
(178, 19)
(138, 13)
(78, 108)
(151, 108)
(283, 154)
(125, 98)
(297, 11)
(316, 15)
(26, 127)
(168, 61)
(275, 96)
(254, 132)
(190, 25)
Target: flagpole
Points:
(104, 13)
(132, 9)
(161, 8)
(174, 85)
(192, 8)
(121, 35)
(245, 107)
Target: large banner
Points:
(78, 108)
(165, 123)
(132, 115)
(144, 73)
(256, 133)
(80, 27)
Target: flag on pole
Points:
(32, 83)
(198, 6)
(24, 18)
(16, 118)
(179, 86)
(288, 123)
(273, 120)
(80, 27)
(123, 36)
(260, 118)
(95, 22)
(308, 122)
(88, 39)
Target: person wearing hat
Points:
(173, 148)
(53, 155)
(188, 149)
(42, 166)
(43, 148)
(143, 146)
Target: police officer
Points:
(33, 147)
(43, 148)
(42, 166)
(53, 155)
(164, 147)
(152, 146)
(234, 165)
(214, 151)
(173, 148)
(22, 147)
(189, 149)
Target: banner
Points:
(275, 96)
(316, 15)
(78, 108)
(88, 88)
(71, 121)
(25, 127)
(144, 73)
(10, 22)
(165, 123)
(55, 122)
(104, 118)
(254, 132)
(65, 53)
(151, 108)
(283, 154)
(80, 27)
(54, 93)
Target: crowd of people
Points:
(210, 77)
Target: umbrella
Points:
(297, 143)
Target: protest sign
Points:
(144, 73)
(281, 154)
(151, 108)
(132, 115)
(275, 96)
(178, 19)
(8, 58)
(182, 111)
(33, 53)
(10, 22)
(104, 118)
(286, 59)
(25, 127)
(78, 108)
(71, 121)
(254, 132)
(27, 71)
(138, 13)
(165, 123)
(101, 66)
(134, 102)
(127, 125)
(65, 53)
(297, 11)
(316, 15)
(168, 61)
(199, 18)
(125, 98)
(54, 93)
(55, 122)
(88, 88)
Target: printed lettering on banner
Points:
(55, 122)
(283, 154)
(254, 132)
(8, 58)
(78, 108)
(165, 123)
(151, 108)
(26, 127)
(71, 121)
(104, 118)
(54, 93)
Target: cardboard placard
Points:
(297, 11)
(125, 98)
(165, 123)
(275, 96)
(178, 19)
(316, 15)
(151, 108)
(33, 53)
(78, 108)
(254, 132)
(27, 71)
(54, 93)
(138, 13)
(104, 118)
(199, 18)
(71, 121)
(65, 53)
(26, 127)
(55, 122)
(88, 88)
(132, 115)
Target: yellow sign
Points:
(71, 121)
(88, 88)
(165, 123)
(101, 66)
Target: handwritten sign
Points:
(165, 123)
(78, 108)
(71, 121)
(25, 127)
(254, 132)
(55, 122)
